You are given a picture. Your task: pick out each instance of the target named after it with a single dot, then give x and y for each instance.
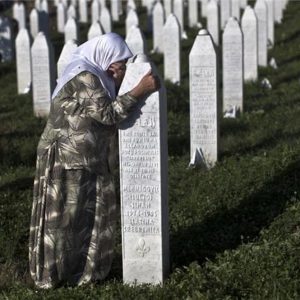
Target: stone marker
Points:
(131, 19)
(168, 7)
(71, 12)
(23, 58)
(143, 184)
(243, 3)
(61, 17)
(44, 6)
(64, 58)
(131, 5)
(204, 8)
(249, 29)
(204, 123)
(34, 19)
(37, 5)
(83, 11)
(158, 25)
(213, 25)
(172, 49)
(42, 76)
(278, 11)
(178, 12)
(95, 30)
(105, 19)
(273, 64)
(235, 9)
(19, 14)
(6, 45)
(136, 40)
(114, 9)
(193, 13)
(261, 12)
(271, 34)
(95, 11)
(71, 32)
(225, 11)
(232, 67)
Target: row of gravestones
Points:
(142, 140)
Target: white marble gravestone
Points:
(261, 12)
(105, 19)
(158, 25)
(243, 3)
(130, 5)
(71, 12)
(213, 24)
(95, 30)
(249, 29)
(71, 32)
(65, 56)
(136, 40)
(6, 44)
(44, 6)
(204, 7)
(83, 11)
(271, 33)
(278, 11)
(95, 11)
(172, 49)
(114, 9)
(19, 14)
(23, 58)
(178, 12)
(42, 77)
(193, 13)
(61, 17)
(168, 7)
(37, 5)
(232, 67)
(34, 22)
(131, 19)
(204, 123)
(143, 184)
(235, 9)
(225, 7)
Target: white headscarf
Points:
(95, 56)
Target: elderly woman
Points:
(74, 208)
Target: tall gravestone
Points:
(23, 58)
(65, 56)
(278, 11)
(114, 9)
(261, 12)
(71, 12)
(131, 5)
(105, 19)
(213, 24)
(249, 29)
(244, 3)
(225, 11)
(95, 11)
(61, 17)
(95, 30)
(271, 34)
(143, 183)
(19, 14)
(168, 7)
(44, 6)
(6, 44)
(136, 40)
(34, 19)
(71, 32)
(158, 25)
(235, 9)
(178, 11)
(42, 75)
(204, 8)
(83, 11)
(193, 13)
(204, 123)
(172, 49)
(232, 67)
(131, 19)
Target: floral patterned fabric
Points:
(74, 208)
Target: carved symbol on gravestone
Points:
(141, 249)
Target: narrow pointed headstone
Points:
(271, 33)
(213, 24)
(105, 19)
(44, 6)
(158, 25)
(225, 11)
(23, 58)
(61, 17)
(204, 124)
(71, 32)
(6, 44)
(114, 9)
(136, 40)
(168, 7)
(204, 7)
(131, 19)
(249, 29)
(244, 3)
(193, 13)
(172, 49)
(261, 12)
(42, 76)
(71, 12)
(95, 11)
(143, 183)
(65, 56)
(131, 5)
(34, 22)
(235, 9)
(83, 11)
(95, 30)
(179, 13)
(232, 67)
(19, 14)
(278, 11)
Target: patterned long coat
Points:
(74, 208)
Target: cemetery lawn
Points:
(234, 230)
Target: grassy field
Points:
(234, 230)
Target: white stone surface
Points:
(23, 59)
(44, 6)
(249, 29)
(168, 7)
(178, 11)
(261, 12)
(42, 77)
(193, 13)
(83, 11)
(225, 11)
(95, 30)
(204, 7)
(61, 17)
(105, 19)
(71, 32)
(232, 67)
(131, 19)
(235, 9)
(172, 49)
(271, 33)
(71, 12)
(37, 5)
(143, 184)
(34, 22)
(244, 3)
(213, 24)
(6, 44)
(204, 126)
(136, 40)
(19, 14)
(158, 25)
(64, 58)
(278, 11)
(95, 11)
(131, 5)
(114, 9)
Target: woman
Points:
(74, 207)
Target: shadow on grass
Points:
(223, 230)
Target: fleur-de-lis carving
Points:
(141, 249)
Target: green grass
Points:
(234, 230)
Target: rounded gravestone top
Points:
(203, 32)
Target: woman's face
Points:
(117, 71)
